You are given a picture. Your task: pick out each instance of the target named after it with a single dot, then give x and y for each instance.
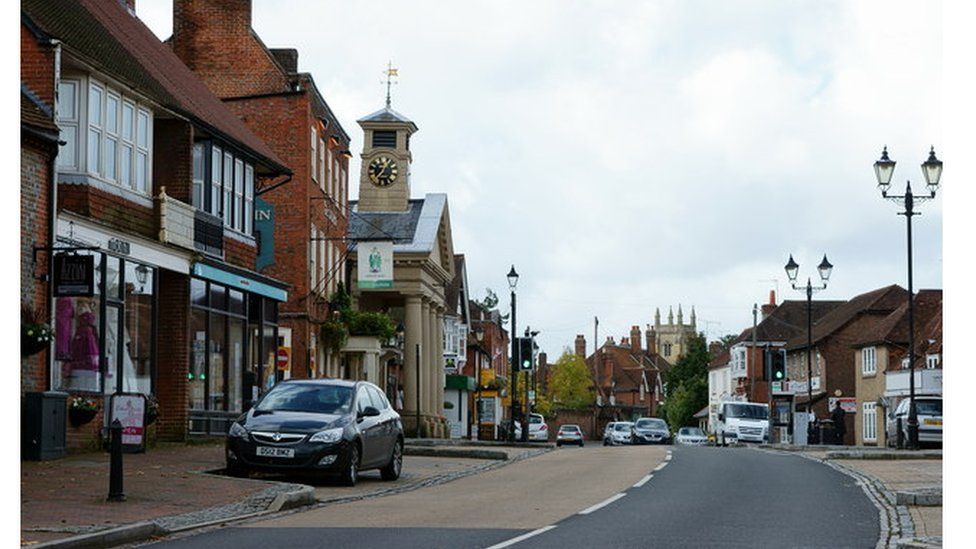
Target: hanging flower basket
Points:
(152, 409)
(82, 410)
(34, 338)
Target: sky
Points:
(638, 155)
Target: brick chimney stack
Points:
(715, 348)
(635, 339)
(651, 337)
(768, 308)
(580, 345)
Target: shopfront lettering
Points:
(74, 275)
(119, 246)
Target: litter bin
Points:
(43, 425)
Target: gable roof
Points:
(894, 327)
(788, 320)
(881, 301)
(104, 35)
(386, 114)
(415, 230)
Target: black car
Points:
(323, 426)
(651, 430)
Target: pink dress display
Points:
(85, 354)
(64, 319)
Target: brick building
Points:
(487, 348)
(283, 106)
(834, 335)
(154, 189)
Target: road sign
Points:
(283, 358)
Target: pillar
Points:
(429, 395)
(413, 337)
(439, 361)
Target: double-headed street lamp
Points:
(792, 268)
(884, 168)
(512, 283)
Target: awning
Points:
(242, 279)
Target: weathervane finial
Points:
(390, 72)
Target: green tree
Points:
(542, 403)
(727, 341)
(687, 399)
(686, 385)
(570, 385)
(692, 365)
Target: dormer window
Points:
(384, 138)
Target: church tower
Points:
(672, 338)
(384, 175)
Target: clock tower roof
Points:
(386, 115)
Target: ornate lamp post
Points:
(512, 283)
(884, 168)
(792, 269)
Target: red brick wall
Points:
(173, 158)
(109, 209)
(34, 231)
(36, 66)
(173, 354)
(214, 39)
(239, 253)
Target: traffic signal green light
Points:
(525, 353)
(778, 364)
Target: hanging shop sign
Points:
(130, 410)
(375, 264)
(848, 404)
(74, 275)
(264, 220)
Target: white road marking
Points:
(602, 504)
(661, 466)
(523, 537)
(667, 457)
(644, 480)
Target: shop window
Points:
(137, 344)
(217, 398)
(198, 292)
(197, 376)
(78, 341)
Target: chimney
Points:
(610, 341)
(287, 58)
(607, 374)
(130, 5)
(204, 28)
(580, 346)
(768, 308)
(543, 361)
(715, 348)
(651, 340)
(624, 341)
(635, 339)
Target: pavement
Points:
(175, 487)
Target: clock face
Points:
(382, 171)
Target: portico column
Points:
(427, 394)
(439, 358)
(413, 336)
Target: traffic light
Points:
(525, 353)
(778, 364)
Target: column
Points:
(439, 356)
(426, 394)
(413, 336)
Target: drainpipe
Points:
(52, 207)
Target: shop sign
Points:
(375, 264)
(283, 357)
(130, 410)
(74, 275)
(264, 232)
(848, 404)
(119, 246)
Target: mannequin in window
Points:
(85, 354)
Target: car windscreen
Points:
(300, 397)
(693, 432)
(534, 420)
(569, 429)
(622, 427)
(746, 411)
(652, 424)
(928, 407)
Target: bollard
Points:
(900, 437)
(115, 491)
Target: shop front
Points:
(234, 343)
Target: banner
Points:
(375, 264)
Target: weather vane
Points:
(390, 72)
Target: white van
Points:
(742, 422)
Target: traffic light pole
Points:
(514, 383)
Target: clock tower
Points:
(384, 176)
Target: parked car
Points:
(929, 412)
(569, 434)
(651, 430)
(323, 426)
(618, 432)
(692, 436)
(538, 430)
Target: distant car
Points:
(651, 430)
(618, 432)
(692, 436)
(569, 434)
(538, 430)
(929, 412)
(323, 426)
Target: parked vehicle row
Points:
(929, 412)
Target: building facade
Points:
(671, 339)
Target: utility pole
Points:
(755, 314)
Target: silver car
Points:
(569, 434)
(618, 432)
(692, 436)
(929, 412)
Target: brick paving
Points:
(66, 497)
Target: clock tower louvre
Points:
(384, 175)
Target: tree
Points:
(693, 364)
(687, 399)
(686, 386)
(727, 341)
(570, 385)
(542, 403)
(490, 302)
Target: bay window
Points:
(223, 185)
(107, 134)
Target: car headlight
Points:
(329, 435)
(237, 431)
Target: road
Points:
(594, 497)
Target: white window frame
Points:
(199, 179)
(127, 172)
(65, 161)
(869, 361)
(216, 180)
(94, 127)
(143, 149)
(312, 263)
(312, 157)
(322, 149)
(869, 421)
(238, 212)
(228, 180)
(932, 361)
(328, 177)
(111, 137)
(248, 199)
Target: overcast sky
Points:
(647, 155)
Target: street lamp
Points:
(884, 168)
(792, 269)
(479, 335)
(512, 283)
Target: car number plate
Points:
(933, 422)
(270, 451)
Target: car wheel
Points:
(581, 444)
(559, 445)
(237, 471)
(392, 469)
(351, 473)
